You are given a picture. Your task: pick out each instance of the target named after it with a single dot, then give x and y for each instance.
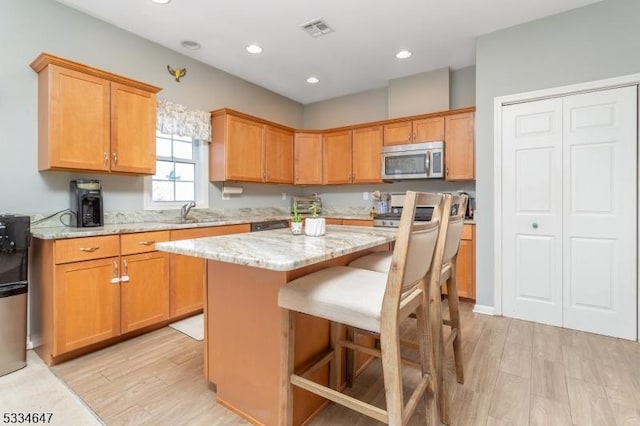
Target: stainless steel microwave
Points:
(413, 161)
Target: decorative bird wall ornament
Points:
(177, 73)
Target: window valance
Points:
(176, 119)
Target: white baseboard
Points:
(484, 309)
(33, 341)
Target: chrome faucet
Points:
(184, 211)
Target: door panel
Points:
(535, 280)
(592, 284)
(600, 220)
(532, 211)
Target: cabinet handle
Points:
(414, 137)
(147, 243)
(89, 249)
(125, 271)
(409, 138)
(106, 159)
(115, 279)
(115, 159)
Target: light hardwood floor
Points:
(516, 373)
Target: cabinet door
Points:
(337, 157)
(428, 130)
(188, 273)
(245, 150)
(397, 133)
(278, 156)
(459, 147)
(367, 148)
(86, 304)
(74, 121)
(133, 130)
(466, 264)
(144, 297)
(308, 159)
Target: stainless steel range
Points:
(391, 219)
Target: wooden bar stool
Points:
(380, 262)
(373, 302)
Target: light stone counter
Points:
(280, 250)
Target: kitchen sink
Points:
(181, 221)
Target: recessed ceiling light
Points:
(254, 48)
(404, 54)
(190, 44)
(313, 80)
(161, 1)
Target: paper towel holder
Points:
(228, 190)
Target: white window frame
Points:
(201, 157)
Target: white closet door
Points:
(599, 220)
(532, 211)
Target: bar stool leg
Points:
(392, 372)
(435, 320)
(454, 318)
(426, 363)
(288, 323)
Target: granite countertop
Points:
(280, 250)
(145, 222)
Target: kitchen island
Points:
(242, 318)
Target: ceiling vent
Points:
(316, 28)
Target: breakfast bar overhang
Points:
(242, 317)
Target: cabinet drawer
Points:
(467, 232)
(78, 249)
(142, 242)
(358, 222)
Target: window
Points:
(180, 173)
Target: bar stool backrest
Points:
(454, 228)
(415, 246)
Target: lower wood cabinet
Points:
(144, 290)
(466, 266)
(89, 290)
(85, 305)
(188, 273)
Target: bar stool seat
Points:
(342, 294)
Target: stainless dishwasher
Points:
(268, 225)
(14, 255)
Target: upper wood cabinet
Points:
(459, 147)
(247, 149)
(308, 158)
(93, 120)
(414, 131)
(367, 146)
(278, 155)
(337, 157)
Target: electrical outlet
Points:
(365, 196)
(284, 195)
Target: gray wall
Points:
(30, 27)
(362, 107)
(462, 87)
(419, 94)
(594, 42)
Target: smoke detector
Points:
(316, 28)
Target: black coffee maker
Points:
(86, 203)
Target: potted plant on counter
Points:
(296, 221)
(315, 226)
